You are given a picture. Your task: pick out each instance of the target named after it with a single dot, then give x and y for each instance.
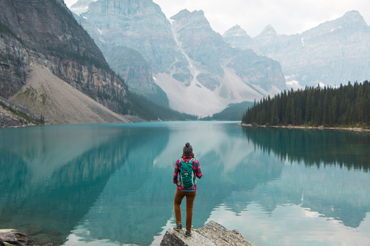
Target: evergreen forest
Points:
(346, 106)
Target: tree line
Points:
(348, 105)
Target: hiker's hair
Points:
(192, 155)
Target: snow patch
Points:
(199, 100)
(294, 84)
(100, 31)
(302, 40)
(335, 28)
(322, 85)
(80, 10)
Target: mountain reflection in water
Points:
(113, 183)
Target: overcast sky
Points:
(286, 16)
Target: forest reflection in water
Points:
(314, 147)
(112, 184)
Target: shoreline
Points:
(355, 129)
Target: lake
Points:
(112, 184)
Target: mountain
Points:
(122, 28)
(239, 38)
(332, 53)
(198, 71)
(44, 37)
(60, 103)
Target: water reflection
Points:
(333, 192)
(112, 184)
(314, 147)
(52, 176)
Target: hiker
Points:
(186, 171)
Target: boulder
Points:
(12, 237)
(210, 234)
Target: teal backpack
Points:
(187, 177)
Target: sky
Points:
(286, 16)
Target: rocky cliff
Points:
(120, 27)
(45, 34)
(332, 53)
(185, 56)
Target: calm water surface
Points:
(112, 184)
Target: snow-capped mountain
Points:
(199, 72)
(332, 53)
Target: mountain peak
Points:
(354, 17)
(235, 31)
(186, 13)
(268, 29)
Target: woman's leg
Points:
(178, 198)
(190, 196)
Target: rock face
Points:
(13, 115)
(44, 33)
(122, 27)
(238, 38)
(12, 237)
(334, 52)
(185, 56)
(210, 234)
(50, 97)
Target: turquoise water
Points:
(112, 184)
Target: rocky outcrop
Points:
(12, 237)
(45, 33)
(13, 115)
(332, 53)
(210, 234)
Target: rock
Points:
(12, 237)
(210, 234)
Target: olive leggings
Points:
(190, 196)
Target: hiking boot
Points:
(178, 227)
(188, 234)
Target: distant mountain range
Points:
(198, 71)
(201, 72)
(332, 53)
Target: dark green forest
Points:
(348, 105)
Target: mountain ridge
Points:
(331, 53)
(186, 56)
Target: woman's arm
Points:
(177, 168)
(197, 170)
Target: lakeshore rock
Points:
(210, 234)
(12, 237)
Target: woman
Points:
(186, 170)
